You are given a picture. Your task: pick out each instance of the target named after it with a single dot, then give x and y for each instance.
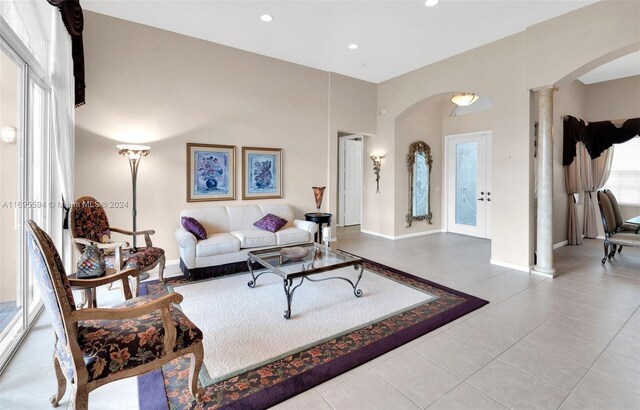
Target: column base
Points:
(546, 272)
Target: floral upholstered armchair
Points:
(94, 347)
(89, 225)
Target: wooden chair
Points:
(89, 224)
(97, 346)
(613, 237)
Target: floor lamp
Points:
(134, 153)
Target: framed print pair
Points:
(211, 172)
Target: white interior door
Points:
(350, 180)
(469, 185)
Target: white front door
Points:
(350, 180)
(469, 184)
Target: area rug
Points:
(400, 308)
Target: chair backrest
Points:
(88, 220)
(616, 208)
(606, 211)
(50, 276)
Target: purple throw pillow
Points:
(270, 222)
(194, 227)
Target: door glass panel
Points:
(466, 183)
(11, 295)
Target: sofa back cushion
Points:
(284, 211)
(214, 219)
(242, 217)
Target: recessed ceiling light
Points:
(353, 46)
(266, 17)
(431, 3)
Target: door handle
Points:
(480, 199)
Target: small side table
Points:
(320, 219)
(89, 285)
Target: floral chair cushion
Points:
(111, 346)
(89, 220)
(141, 260)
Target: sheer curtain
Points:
(573, 186)
(61, 69)
(594, 174)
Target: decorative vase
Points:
(91, 263)
(318, 192)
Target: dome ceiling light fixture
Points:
(464, 99)
(431, 3)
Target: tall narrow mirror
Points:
(419, 162)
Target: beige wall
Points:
(151, 86)
(8, 176)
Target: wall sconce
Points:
(8, 135)
(377, 161)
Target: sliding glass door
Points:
(25, 192)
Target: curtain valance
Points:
(596, 136)
(71, 13)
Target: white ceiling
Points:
(394, 37)
(626, 66)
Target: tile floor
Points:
(570, 343)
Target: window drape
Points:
(596, 136)
(63, 118)
(73, 20)
(573, 186)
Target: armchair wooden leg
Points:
(80, 399)
(62, 382)
(126, 289)
(194, 370)
(620, 249)
(161, 264)
(606, 251)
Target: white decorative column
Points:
(544, 222)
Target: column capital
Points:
(545, 90)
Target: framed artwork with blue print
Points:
(261, 173)
(210, 172)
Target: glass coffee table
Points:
(295, 264)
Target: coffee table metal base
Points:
(290, 285)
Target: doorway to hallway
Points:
(350, 180)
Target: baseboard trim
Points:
(413, 235)
(511, 266)
(171, 262)
(560, 244)
(394, 238)
(381, 235)
(542, 274)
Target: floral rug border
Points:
(282, 379)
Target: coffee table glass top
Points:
(302, 260)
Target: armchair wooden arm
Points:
(163, 304)
(95, 282)
(147, 234)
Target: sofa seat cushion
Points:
(216, 244)
(255, 238)
(287, 236)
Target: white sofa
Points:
(231, 234)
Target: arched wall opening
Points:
(431, 120)
(608, 100)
